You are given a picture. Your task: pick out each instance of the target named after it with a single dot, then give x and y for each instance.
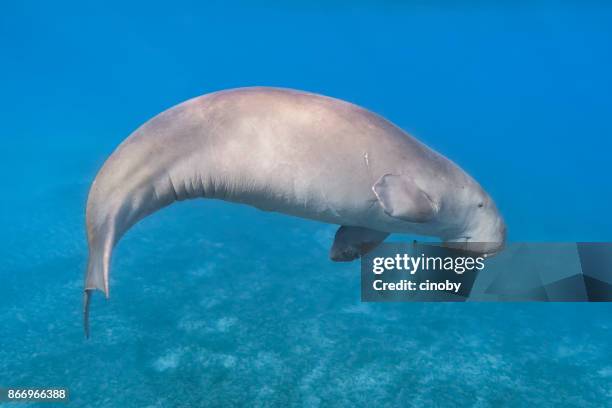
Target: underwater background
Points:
(216, 304)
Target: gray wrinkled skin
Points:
(291, 152)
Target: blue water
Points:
(217, 304)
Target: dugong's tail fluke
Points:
(86, 300)
(128, 188)
(97, 277)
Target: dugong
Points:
(292, 152)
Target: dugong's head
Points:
(451, 205)
(472, 219)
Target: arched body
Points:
(292, 152)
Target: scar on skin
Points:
(366, 159)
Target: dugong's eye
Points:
(480, 205)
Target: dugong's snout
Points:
(484, 230)
(488, 240)
(492, 235)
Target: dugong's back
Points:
(276, 149)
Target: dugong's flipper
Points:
(352, 242)
(401, 198)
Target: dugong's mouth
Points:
(486, 249)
